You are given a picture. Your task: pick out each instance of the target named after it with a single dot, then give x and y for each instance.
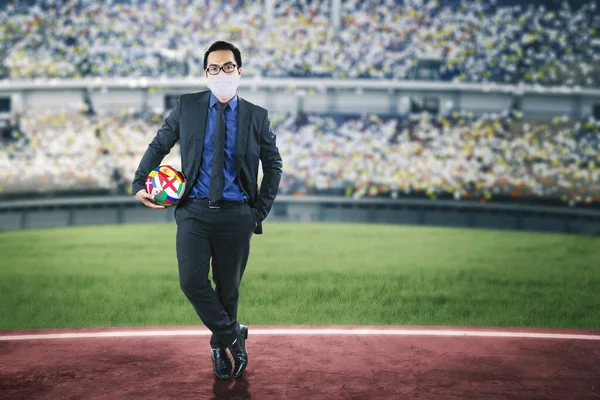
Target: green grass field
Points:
(307, 274)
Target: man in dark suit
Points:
(222, 139)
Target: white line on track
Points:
(298, 332)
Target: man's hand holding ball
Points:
(147, 199)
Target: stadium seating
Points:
(474, 41)
(457, 156)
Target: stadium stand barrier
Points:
(60, 212)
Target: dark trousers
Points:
(222, 234)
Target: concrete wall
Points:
(312, 210)
(312, 96)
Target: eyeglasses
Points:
(227, 68)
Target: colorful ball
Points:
(166, 184)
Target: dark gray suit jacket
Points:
(186, 123)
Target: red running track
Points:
(396, 363)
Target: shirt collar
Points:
(232, 103)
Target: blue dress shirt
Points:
(231, 190)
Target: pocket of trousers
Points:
(254, 222)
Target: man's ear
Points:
(239, 71)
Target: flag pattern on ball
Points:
(166, 185)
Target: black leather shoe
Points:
(239, 353)
(221, 362)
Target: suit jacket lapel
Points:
(242, 134)
(202, 117)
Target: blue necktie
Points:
(217, 175)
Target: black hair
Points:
(221, 45)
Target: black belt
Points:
(220, 203)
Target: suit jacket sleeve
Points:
(272, 166)
(161, 145)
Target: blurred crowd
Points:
(471, 41)
(456, 156)
(70, 151)
(459, 156)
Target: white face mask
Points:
(223, 86)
